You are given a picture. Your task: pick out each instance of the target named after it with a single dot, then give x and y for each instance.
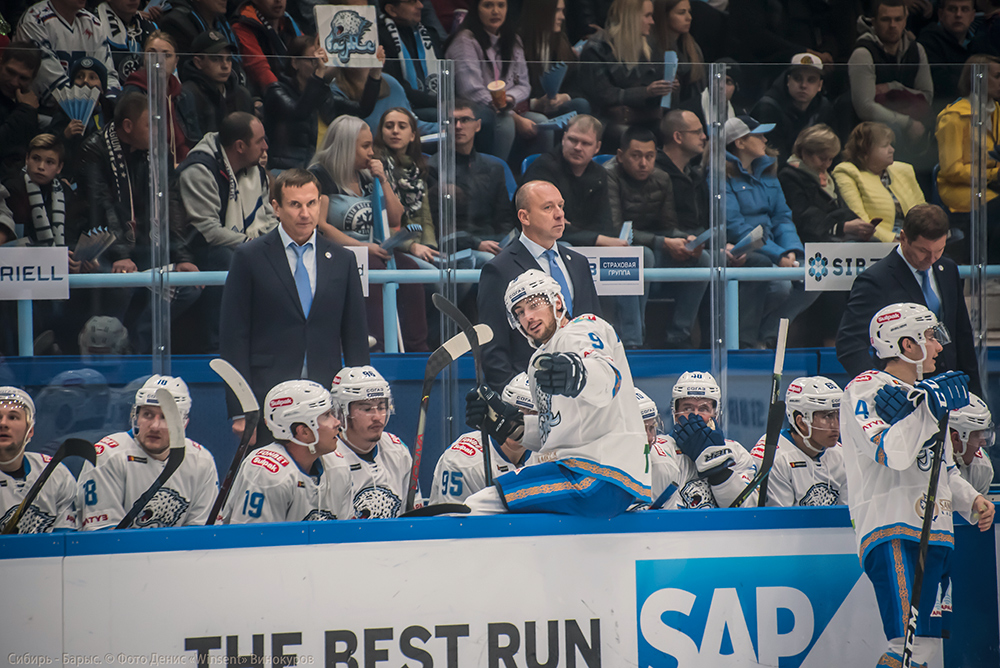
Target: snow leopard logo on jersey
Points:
(820, 494)
(698, 494)
(376, 503)
(924, 458)
(546, 420)
(319, 516)
(33, 520)
(165, 509)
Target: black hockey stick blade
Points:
(775, 418)
(448, 352)
(175, 427)
(930, 507)
(251, 415)
(438, 509)
(70, 447)
(463, 323)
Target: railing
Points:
(387, 277)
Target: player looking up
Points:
(379, 462)
(587, 423)
(971, 433)
(808, 467)
(53, 508)
(695, 465)
(889, 423)
(129, 462)
(459, 471)
(289, 480)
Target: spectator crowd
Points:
(840, 118)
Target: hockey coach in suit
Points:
(292, 306)
(540, 212)
(914, 272)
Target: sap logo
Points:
(741, 611)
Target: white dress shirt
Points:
(543, 262)
(309, 257)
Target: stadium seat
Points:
(508, 175)
(602, 158)
(527, 162)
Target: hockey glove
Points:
(484, 409)
(560, 373)
(706, 447)
(945, 392)
(893, 404)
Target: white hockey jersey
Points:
(796, 479)
(888, 469)
(379, 486)
(270, 487)
(125, 471)
(600, 431)
(63, 42)
(979, 472)
(675, 475)
(53, 509)
(459, 472)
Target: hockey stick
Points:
(438, 509)
(925, 535)
(70, 447)
(175, 427)
(251, 414)
(775, 418)
(449, 351)
(463, 323)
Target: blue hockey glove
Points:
(893, 404)
(560, 373)
(484, 409)
(706, 447)
(945, 392)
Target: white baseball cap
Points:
(741, 126)
(807, 60)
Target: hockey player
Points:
(889, 423)
(459, 471)
(695, 465)
(289, 480)
(587, 421)
(379, 462)
(129, 462)
(808, 467)
(971, 433)
(53, 509)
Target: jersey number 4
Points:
(861, 409)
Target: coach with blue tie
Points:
(292, 306)
(914, 272)
(540, 210)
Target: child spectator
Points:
(398, 145)
(210, 80)
(37, 198)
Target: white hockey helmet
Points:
(898, 321)
(647, 407)
(517, 393)
(810, 394)
(974, 417)
(531, 283)
(294, 402)
(697, 384)
(359, 383)
(103, 335)
(146, 395)
(15, 397)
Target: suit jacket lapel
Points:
(901, 272)
(279, 263)
(522, 257)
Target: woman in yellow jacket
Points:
(954, 125)
(874, 186)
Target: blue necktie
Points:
(560, 277)
(931, 299)
(302, 278)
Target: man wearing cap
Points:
(210, 81)
(63, 28)
(793, 103)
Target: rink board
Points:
(777, 587)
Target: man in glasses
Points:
(808, 465)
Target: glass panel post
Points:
(159, 215)
(717, 220)
(977, 215)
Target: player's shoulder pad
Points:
(395, 440)
(586, 317)
(270, 460)
(659, 450)
(106, 443)
(468, 446)
(758, 450)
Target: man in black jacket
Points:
(212, 83)
(18, 104)
(115, 177)
(948, 46)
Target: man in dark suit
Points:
(540, 211)
(915, 272)
(292, 306)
